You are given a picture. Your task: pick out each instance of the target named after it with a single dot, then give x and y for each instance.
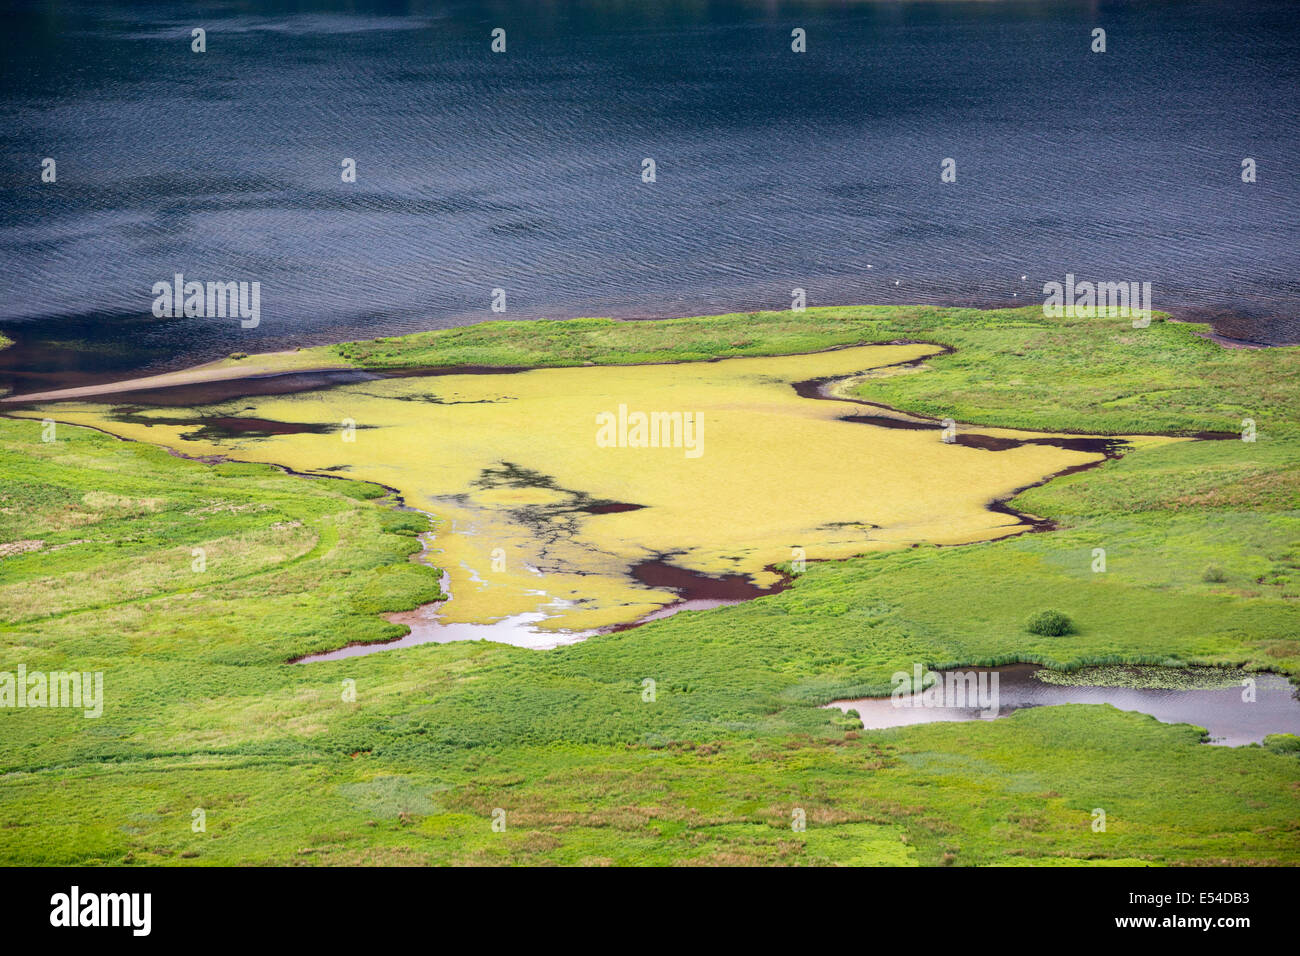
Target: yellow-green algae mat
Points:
(510, 466)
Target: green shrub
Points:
(1214, 574)
(1283, 744)
(1050, 624)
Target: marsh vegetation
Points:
(201, 709)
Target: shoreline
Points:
(208, 375)
(281, 362)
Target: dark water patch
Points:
(1100, 445)
(691, 585)
(198, 394)
(817, 388)
(987, 442)
(885, 421)
(1033, 524)
(696, 591)
(1227, 718)
(217, 391)
(1107, 447)
(419, 371)
(430, 398)
(218, 427)
(611, 508)
(233, 426)
(812, 388)
(74, 351)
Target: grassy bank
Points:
(202, 713)
(1014, 368)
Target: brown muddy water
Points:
(1227, 718)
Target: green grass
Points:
(607, 342)
(201, 711)
(1011, 367)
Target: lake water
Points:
(522, 170)
(1228, 719)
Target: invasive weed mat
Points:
(534, 515)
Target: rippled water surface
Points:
(522, 170)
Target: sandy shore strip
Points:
(261, 365)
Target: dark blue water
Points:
(522, 170)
